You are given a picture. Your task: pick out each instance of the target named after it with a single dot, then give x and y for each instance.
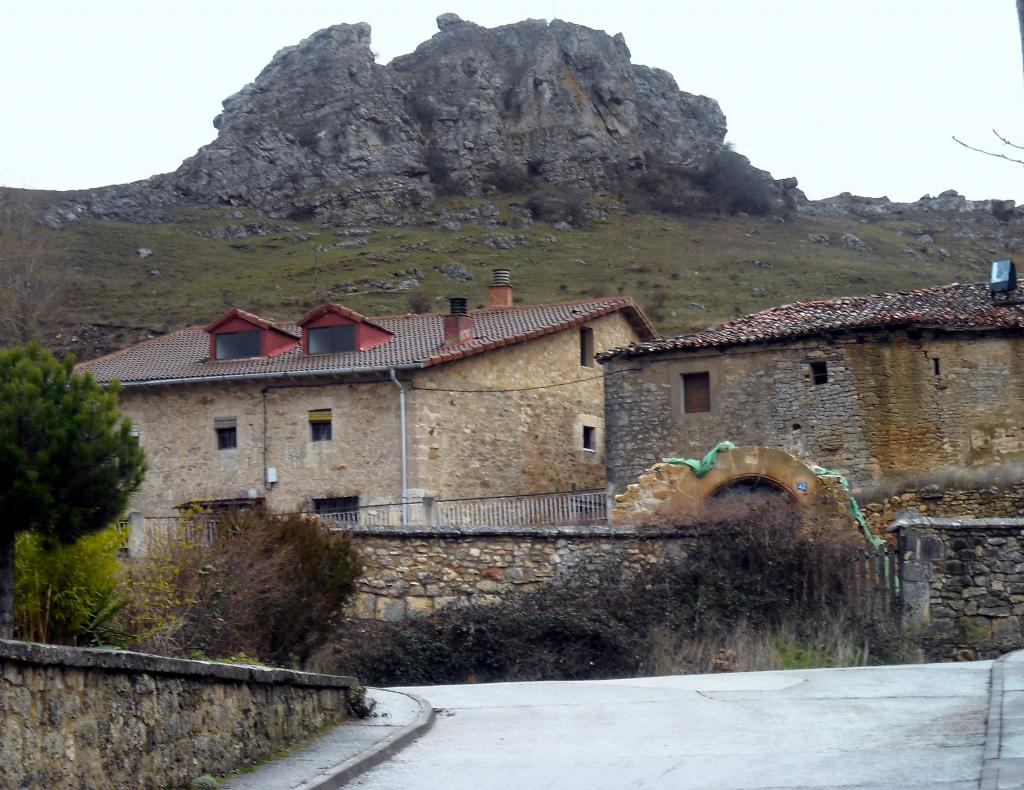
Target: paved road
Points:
(887, 727)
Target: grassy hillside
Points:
(687, 272)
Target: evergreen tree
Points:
(68, 461)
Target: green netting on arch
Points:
(855, 510)
(705, 464)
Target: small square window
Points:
(587, 347)
(819, 373)
(227, 438)
(320, 425)
(590, 438)
(696, 392)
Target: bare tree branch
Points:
(991, 153)
(29, 289)
(1007, 142)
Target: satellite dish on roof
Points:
(1004, 277)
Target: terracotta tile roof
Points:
(418, 342)
(946, 306)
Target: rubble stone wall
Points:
(74, 718)
(962, 585)
(419, 570)
(1000, 501)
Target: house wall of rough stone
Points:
(507, 421)
(73, 718)
(176, 430)
(511, 421)
(962, 585)
(415, 571)
(885, 410)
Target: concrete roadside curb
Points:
(383, 750)
(993, 727)
(999, 770)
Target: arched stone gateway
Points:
(673, 494)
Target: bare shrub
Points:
(419, 301)
(509, 177)
(29, 286)
(266, 586)
(661, 186)
(735, 185)
(440, 173)
(551, 203)
(756, 590)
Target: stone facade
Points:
(962, 585)
(894, 402)
(73, 718)
(417, 570)
(508, 421)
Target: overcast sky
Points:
(861, 97)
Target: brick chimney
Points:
(501, 288)
(458, 325)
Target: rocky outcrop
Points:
(947, 204)
(324, 126)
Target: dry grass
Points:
(974, 478)
(691, 271)
(836, 641)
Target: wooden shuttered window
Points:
(696, 392)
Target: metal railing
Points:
(565, 508)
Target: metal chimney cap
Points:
(458, 305)
(1003, 278)
(502, 277)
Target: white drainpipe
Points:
(405, 465)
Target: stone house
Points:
(341, 411)
(877, 387)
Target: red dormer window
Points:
(235, 345)
(241, 335)
(333, 329)
(331, 339)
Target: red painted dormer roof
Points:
(251, 318)
(338, 310)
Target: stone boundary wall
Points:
(962, 585)
(998, 501)
(415, 570)
(84, 718)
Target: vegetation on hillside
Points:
(688, 271)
